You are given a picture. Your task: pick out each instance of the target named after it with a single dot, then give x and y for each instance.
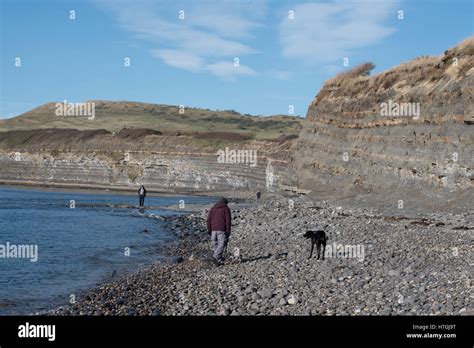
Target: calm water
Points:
(77, 248)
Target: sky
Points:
(260, 57)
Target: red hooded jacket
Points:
(219, 218)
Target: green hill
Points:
(114, 116)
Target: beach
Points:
(376, 264)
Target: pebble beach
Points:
(375, 265)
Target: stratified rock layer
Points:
(349, 141)
(68, 157)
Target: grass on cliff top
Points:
(456, 61)
(114, 116)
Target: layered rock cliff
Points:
(168, 148)
(164, 163)
(409, 128)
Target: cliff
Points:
(202, 163)
(405, 131)
(168, 148)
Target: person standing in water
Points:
(141, 195)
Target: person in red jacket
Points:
(218, 226)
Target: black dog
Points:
(319, 238)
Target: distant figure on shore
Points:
(218, 226)
(259, 194)
(141, 195)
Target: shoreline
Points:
(168, 213)
(370, 200)
(108, 189)
(172, 254)
(403, 272)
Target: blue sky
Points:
(283, 57)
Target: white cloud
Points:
(211, 31)
(180, 59)
(231, 19)
(194, 63)
(325, 32)
(227, 71)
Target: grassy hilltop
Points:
(114, 116)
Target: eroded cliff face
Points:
(163, 163)
(410, 127)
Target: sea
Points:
(54, 245)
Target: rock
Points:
(348, 273)
(241, 299)
(176, 259)
(292, 300)
(265, 293)
(224, 311)
(249, 290)
(255, 296)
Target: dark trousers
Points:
(142, 200)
